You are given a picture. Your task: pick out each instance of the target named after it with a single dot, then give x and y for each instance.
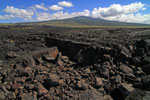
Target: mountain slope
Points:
(86, 21)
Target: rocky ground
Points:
(54, 63)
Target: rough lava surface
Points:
(59, 63)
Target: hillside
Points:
(85, 21)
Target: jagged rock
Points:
(31, 58)
(106, 57)
(2, 96)
(86, 56)
(30, 86)
(136, 61)
(104, 71)
(60, 63)
(125, 89)
(91, 95)
(97, 82)
(40, 78)
(81, 85)
(140, 52)
(16, 86)
(28, 97)
(142, 44)
(52, 80)
(116, 79)
(41, 90)
(11, 96)
(11, 54)
(107, 97)
(138, 95)
(125, 69)
(146, 61)
(146, 82)
(146, 69)
(124, 54)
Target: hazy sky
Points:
(12, 11)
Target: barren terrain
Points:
(60, 63)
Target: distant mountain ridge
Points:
(88, 21)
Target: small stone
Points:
(98, 82)
(4, 89)
(65, 59)
(49, 58)
(146, 61)
(107, 97)
(11, 95)
(81, 85)
(116, 79)
(52, 80)
(48, 97)
(146, 69)
(107, 57)
(11, 54)
(90, 95)
(16, 86)
(40, 78)
(28, 97)
(2, 96)
(60, 63)
(87, 71)
(42, 90)
(104, 72)
(125, 69)
(30, 86)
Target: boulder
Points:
(30, 59)
(125, 89)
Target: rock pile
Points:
(77, 71)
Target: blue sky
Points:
(12, 11)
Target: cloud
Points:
(65, 4)
(123, 13)
(137, 18)
(143, 8)
(117, 9)
(115, 12)
(41, 7)
(21, 13)
(60, 15)
(43, 16)
(55, 7)
(6, 16)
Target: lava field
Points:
(60, 63)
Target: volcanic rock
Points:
(91, 95)
(138, 95)
(125, 89)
